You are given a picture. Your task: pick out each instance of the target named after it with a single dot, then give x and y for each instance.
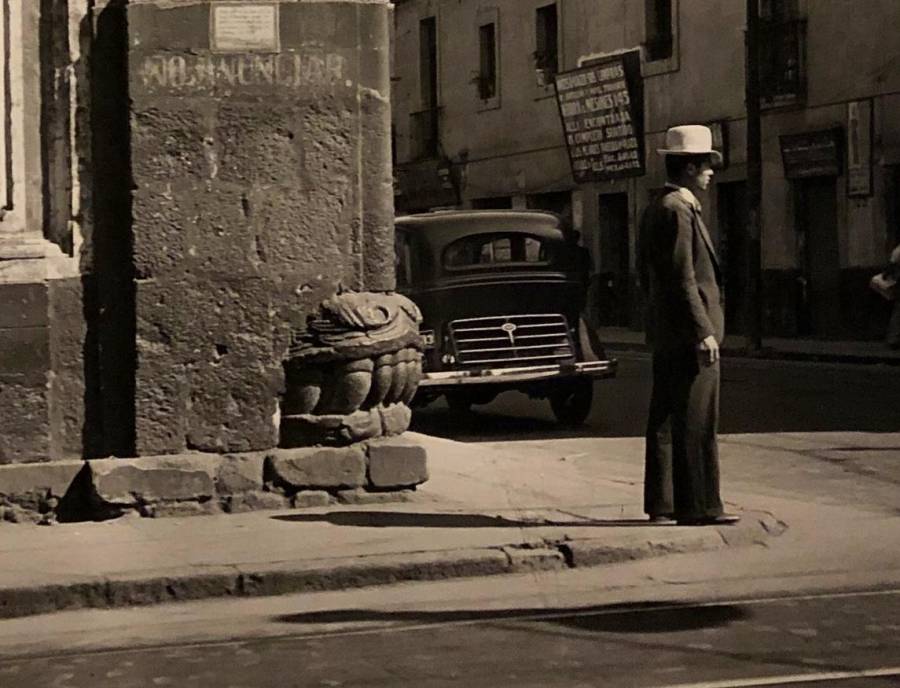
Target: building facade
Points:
(477, 124)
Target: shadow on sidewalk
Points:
(399, 519)
(631, 617)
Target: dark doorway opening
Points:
(613, 304)
(819, 254)
(732, 249)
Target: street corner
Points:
(636, 539)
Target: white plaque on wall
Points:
(236, 27)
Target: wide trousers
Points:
(682, 457)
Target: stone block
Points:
(25, 356)
(396, 462)
(225, 241)
(362, 497)
(24, 424)
(240, 473)
(151, 479)
(233, 407)
(311, 498)
(317, 467)
(50, 479)
(524, 559)
(162, 395)
(395, 419)
(169, 144)
(306, 429)
(257, 500)
(180, 508)
(68, 383)
(25, 305)
(163, 234)
(261, 144)
(207, 376)
(304, 231)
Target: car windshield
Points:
(495, 249)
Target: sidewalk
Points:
(621, 338)
(484, 511)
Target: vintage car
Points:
(501, 293)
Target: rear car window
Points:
(495, 249)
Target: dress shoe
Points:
(720, 520)
(661, 519)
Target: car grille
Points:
(512, 340)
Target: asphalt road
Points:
(842, 640)
(758, 396)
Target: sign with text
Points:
(602, 111)
(859, 148)
(244, 28)
(813, 154)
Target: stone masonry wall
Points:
(261, 185)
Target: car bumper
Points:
(525, 374)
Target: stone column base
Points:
(379, 470)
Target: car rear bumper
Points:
(451, 378)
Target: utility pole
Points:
(753, 235)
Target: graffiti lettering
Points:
(199, 72)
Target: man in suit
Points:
(681, 281)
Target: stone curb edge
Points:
(279, 578)
(768, 353)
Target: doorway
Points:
(732, 249)
(819, 254)
(613, 306)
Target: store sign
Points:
(859, 148)
(813, 154)
(720, 142)
(602, 111)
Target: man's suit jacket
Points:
(679, 274)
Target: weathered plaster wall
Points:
(261, 185)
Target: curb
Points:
(768, 353)
(279, 578)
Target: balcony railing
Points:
(782, 61)
(424, 134)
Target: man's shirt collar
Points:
(687, 195)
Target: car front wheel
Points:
(571, 403)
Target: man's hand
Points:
(708, 350)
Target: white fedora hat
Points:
(690, 139)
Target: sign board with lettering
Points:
(859, 148)
(813, 154)
(236, 27)
(602, 111)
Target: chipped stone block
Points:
(395, 419)
(318, 467)
(257, 500)
(307, 429)
(129, 482)
(360, 496)
(310, 498)
(535, 559)
(180, 508)
(240, 473)
(52, 478)
(396, 462)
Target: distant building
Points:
(476, 123)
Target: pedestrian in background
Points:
(681, 281)
(885, 284)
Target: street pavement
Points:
(805, 589)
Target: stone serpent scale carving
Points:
(358, 357)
